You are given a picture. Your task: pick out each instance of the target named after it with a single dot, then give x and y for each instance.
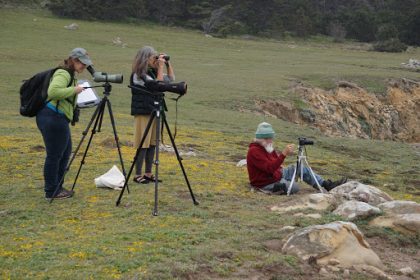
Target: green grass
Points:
(87, 237)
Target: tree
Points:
(361, 25)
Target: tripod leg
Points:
(114, 129)
(298, 163)
(313, 176)
(82, 162)
(158, 123)
(301, 170)
(179, 160)
(85, 132)
(146, 131)
(102, 115)
(289, 189)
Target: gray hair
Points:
(140, 62)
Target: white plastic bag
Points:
(113, 179)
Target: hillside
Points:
(223, 237)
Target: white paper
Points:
(86, 96)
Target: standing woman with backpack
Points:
(54, 118)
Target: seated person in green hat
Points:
(265, 168)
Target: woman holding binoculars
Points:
(148, 64)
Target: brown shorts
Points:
(140, 124)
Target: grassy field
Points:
(87, 237)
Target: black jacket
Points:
(141, 101)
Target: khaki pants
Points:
(140, 124)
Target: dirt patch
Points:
(109, 142)
(279, 271)
(395, 257)
(273, 245)
(351, 111)
(37, 148)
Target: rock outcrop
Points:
(400, 207)
(405, 223)
(353, 190)
(351, 111)
(316, 201)
(401, 216)
(341, 242)
(352, 210)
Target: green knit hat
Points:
(264, 131)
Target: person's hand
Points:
(78, 89)
(161, 61)
(289, 150)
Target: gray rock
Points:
(73, 26)
(412, 63)
(341, 241)
(307, 115)
(241, 163)
(318, 201)
(323, 271)
(410, 222)
(346, 273)
(405, 223)
(400, 207)
(287, 228)
(354, 190)
(333, 268)
(378, 273)
(333, 262)
(352, 210)
(406, 270)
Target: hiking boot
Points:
(279, 188)
(329, 185)
(62, 194)
(70, 191)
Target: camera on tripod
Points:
(304, 141)
(101, 77)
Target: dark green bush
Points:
(390, 45)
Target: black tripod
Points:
(97, 117)
(158, 113)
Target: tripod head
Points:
(107, 88)
(302, 143)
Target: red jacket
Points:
(263, 168)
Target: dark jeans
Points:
(55, 131)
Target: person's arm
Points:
(58, 89)
(161, 68)
(261, 162)
(170, 71)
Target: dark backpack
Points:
(34, 92)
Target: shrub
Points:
(390, 45)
